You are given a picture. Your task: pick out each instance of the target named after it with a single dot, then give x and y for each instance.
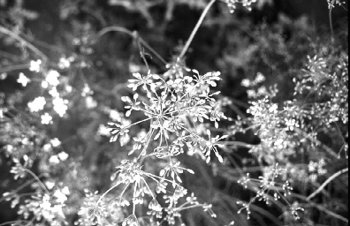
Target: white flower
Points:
(44, 84)
(60, 106)
(34, 65)
(86, 90)
(245, 82)
(54, 93)
(54, 159)
(115, 115)
(63, 156)
(68, 88)
(37, 104)
(52, 78)
(65, 190)
(103, 130)
(49, 184)
(46, 119)
(260, 78)
(64, 63)
(90, 102)
(55, 142)
(46, 202)
(23, 80)
(47, 147)
(60, 196)
(3, 76)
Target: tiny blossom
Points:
(60, 196)
(55, 142)
(62, 156)
(44, 84)
(86, 90)
(68, 88)
(131, 221)
(64, 62)
(54, 93)
(23, 80)
(49, 184)
(3, 76)
(115, 115)
(52, 78)
(46, 119)
(259, 78)
(35, 65)
(90, 102)
(60, 106)
(37, 104)
(103, 130)
(245, 82)
(54, 159)
(231, 4)
(47, 147)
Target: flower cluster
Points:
(232, 4)
(175, 106)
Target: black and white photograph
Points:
(174, 113)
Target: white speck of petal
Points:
(37, 104)
(115, 115)
(46, 119)
(55, 142)
(64, 63)
(34, 65)
(3, 76)
(23, 80)
(260, 77)
(86, 90)
(69, 88)
(245, 82)
(61, 198)
(47, 147)
(44, 84)
(90, 102)
(60, 106)
(53, 92)
(52, 77)
(54, 159)
(50, 184)
(63, 156)
(103, 130)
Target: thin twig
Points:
(135, 36)
(24, 42)
(331, 22)
(194, 31)
(14, 68)
(330, 179)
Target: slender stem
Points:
(23, 41)
(236, 143)
(331, 22)
(37, 178)
(200, 21)
(134, 35)
(330, 179)
(14, 68)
